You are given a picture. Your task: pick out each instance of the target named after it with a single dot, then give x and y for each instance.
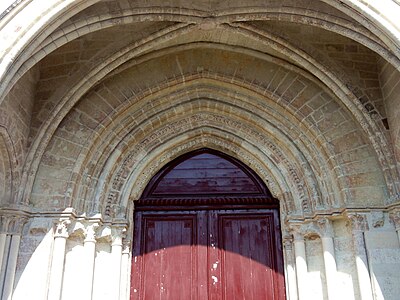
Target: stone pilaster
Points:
(301, 262)
(328, 248)
(125, 270)
(117, 235)
(89, 245)
(13, 231)
(57, 265)
(291, 289)
(358, 224)
(3, 237)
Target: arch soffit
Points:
(383, 153)
(296, 15)
(126, 123)
(32, 33)
(148, 165)
(199, 122)
(8, 166)
(121, 152)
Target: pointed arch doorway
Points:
(207, 227)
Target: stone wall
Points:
(15, 125)
(390, 84)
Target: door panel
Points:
(215, 254)
(166, 254)
(247, 243)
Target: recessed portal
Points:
(207, 228)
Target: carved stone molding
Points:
(319, 227)
(199, 120)
(93, 230)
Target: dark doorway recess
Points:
(207, 227)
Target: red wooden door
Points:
(213, 254)
(207, 227)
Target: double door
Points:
(207, 254)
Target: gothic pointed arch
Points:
(206, 177)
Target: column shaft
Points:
(116, 252)
(290, 272)
(125, 271)
(301, 268)
(11, 267)
(90, 251)
(3, 237)
(3, 266)
(330, 266)
(364, 280)
(57, 268)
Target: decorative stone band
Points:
(12, 224)
(320, 226)
(10, 8)
(92, 230)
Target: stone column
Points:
(301, 264)
(125, 270)
(359, 225)
(3, 267)
(3, 237)
(116, 252)
(57, 263)
(290, 269)
(15, 228)
(328, 249)
(89, 245)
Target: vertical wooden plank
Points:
(214, 258)
(136, 259)
(247, 249)
(201, 268)
(216, 254)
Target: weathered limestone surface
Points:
(97, 96)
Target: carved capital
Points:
(358, 222)
(324, 226)
(90, 232)
(117, 235)
(15, 224)
(62, 229)
(126, 247)
(297, 232)
(395, 219)
(288, 243)
(4, 221)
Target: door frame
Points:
(150, 203)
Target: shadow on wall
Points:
(34, 260)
